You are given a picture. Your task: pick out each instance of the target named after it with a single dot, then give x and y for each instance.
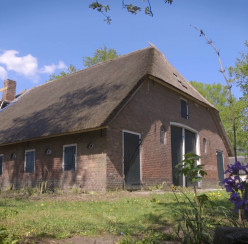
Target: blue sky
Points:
(44, 36)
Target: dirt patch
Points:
(84, 240)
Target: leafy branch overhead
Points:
(133, 9)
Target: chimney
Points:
(10, 92)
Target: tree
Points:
(218, 95)
(70, 69)
(100, 55)
(239, 73)
(231, 99)
(133, 9)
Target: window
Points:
(1, 164)
(29, 161)
(69, 157)
(204, 142)
(184, 109)
(162, 135)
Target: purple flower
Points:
(235, 197)
(236, 186)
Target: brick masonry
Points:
(90, 173)
(101, 168)
(150, 108)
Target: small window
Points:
(1, 164)
(69, 157)
(29, 161)
(204, 142)
(162, 135)
(184, 109)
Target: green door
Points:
(220, 166)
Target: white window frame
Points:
(186, 107)
(1, 155)
(123, 167)
(197, 145)
(63, 162)
(30, 150)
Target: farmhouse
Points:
(123, 123)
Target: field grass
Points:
(63, 216)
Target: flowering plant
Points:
(236, 186)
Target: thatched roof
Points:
(85, 99)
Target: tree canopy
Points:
(239, 73)
(217, 94)
(69, 70)
(132, 8)
(100, 55)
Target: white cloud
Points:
(26, 65)
(51, 68)
(3, 73)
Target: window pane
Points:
(69, 157)
(162, 134)
(30, 158)
(184, 109)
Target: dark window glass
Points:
(29, 161)
(69, 157)
(204, 145)
(162, 134)
(1, 165)
(184, 109)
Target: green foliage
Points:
(217, 94)
(196, 224)
(190, 169)
(6, 235)
(151, 237)
(100, 55)
(133, 9)
(71, 69)
(239, 73)
(62, 216)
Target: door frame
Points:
(222, 153)
(123, 166)
(197, 145)
(2, 156)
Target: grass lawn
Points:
(63, 216)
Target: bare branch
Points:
(228, 86)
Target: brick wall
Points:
(150, 108)
(91, 163)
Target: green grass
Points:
(62, 217)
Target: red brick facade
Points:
(90, 173)
(154, 106)
(101, 167)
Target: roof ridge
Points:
(99, 64)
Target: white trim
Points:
(1, 155)
(29, 150)
(184, 126)
(63, 163)
(197, 144)
(183, 152)
(123, 167)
